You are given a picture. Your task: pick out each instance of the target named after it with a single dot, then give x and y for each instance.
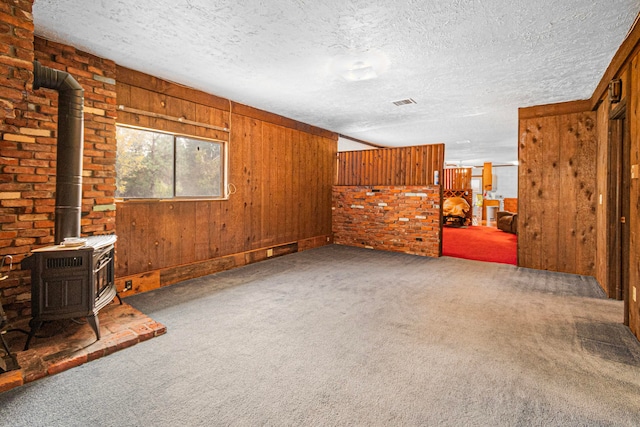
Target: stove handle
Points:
(103, 262)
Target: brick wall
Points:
(397, 218)
(28, 150)
(16, 76)
(97, 77)
(16, 57)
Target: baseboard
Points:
(150, 280)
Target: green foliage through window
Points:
(153, 165)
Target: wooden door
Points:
(619, 182)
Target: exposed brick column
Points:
(28, 145)
(18, 162)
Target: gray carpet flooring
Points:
(348, 336)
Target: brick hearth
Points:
(69, 344)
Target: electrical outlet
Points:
(128, 285)
(269, 252)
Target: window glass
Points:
(198, 168)
(156, 165)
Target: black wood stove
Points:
(71, 281)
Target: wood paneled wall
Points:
(557, 190)
(625, 65)
(633, 121)
(609, 165)
(457, 178)
(604, 247)
(391, 166)
(546, 126)
(282, 172)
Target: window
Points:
(156, 165)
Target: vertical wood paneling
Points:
(303, 204)
(213, 227)
(234, 236)
(364, 156)
(170, 235)
(141, 98)
(272, 185)
(281, 183)
(187, 231)
(529, 184)
(307, 195)
(247, 131)
(556, 193)
(569, 170)
(390, 166)
(549, 199)
(586, 194)
(226, 215)
(123, 228)
(457, 178)
(321, 178)
(156, 243)
(138, 231)
(634, 197)
(295, 182)
(327, 188)
(282, 176)
(257, 168)
(603, 227)
(288, 185)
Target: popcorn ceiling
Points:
(468, 64)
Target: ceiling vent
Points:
(404, 102)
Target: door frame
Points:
(618, 210)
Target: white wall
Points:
(505, 181)
(506, 178)
(345, 144)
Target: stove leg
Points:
(95, 324)
(34, 326)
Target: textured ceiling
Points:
(468, 64)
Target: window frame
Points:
(224, 146)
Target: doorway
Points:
(479, 238)
(618, 215)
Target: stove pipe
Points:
(68, 207)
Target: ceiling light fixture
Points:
(359, 66)
(359, 71)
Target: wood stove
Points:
(71, 281)
(75, 277)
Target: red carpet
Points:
(480, 243)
